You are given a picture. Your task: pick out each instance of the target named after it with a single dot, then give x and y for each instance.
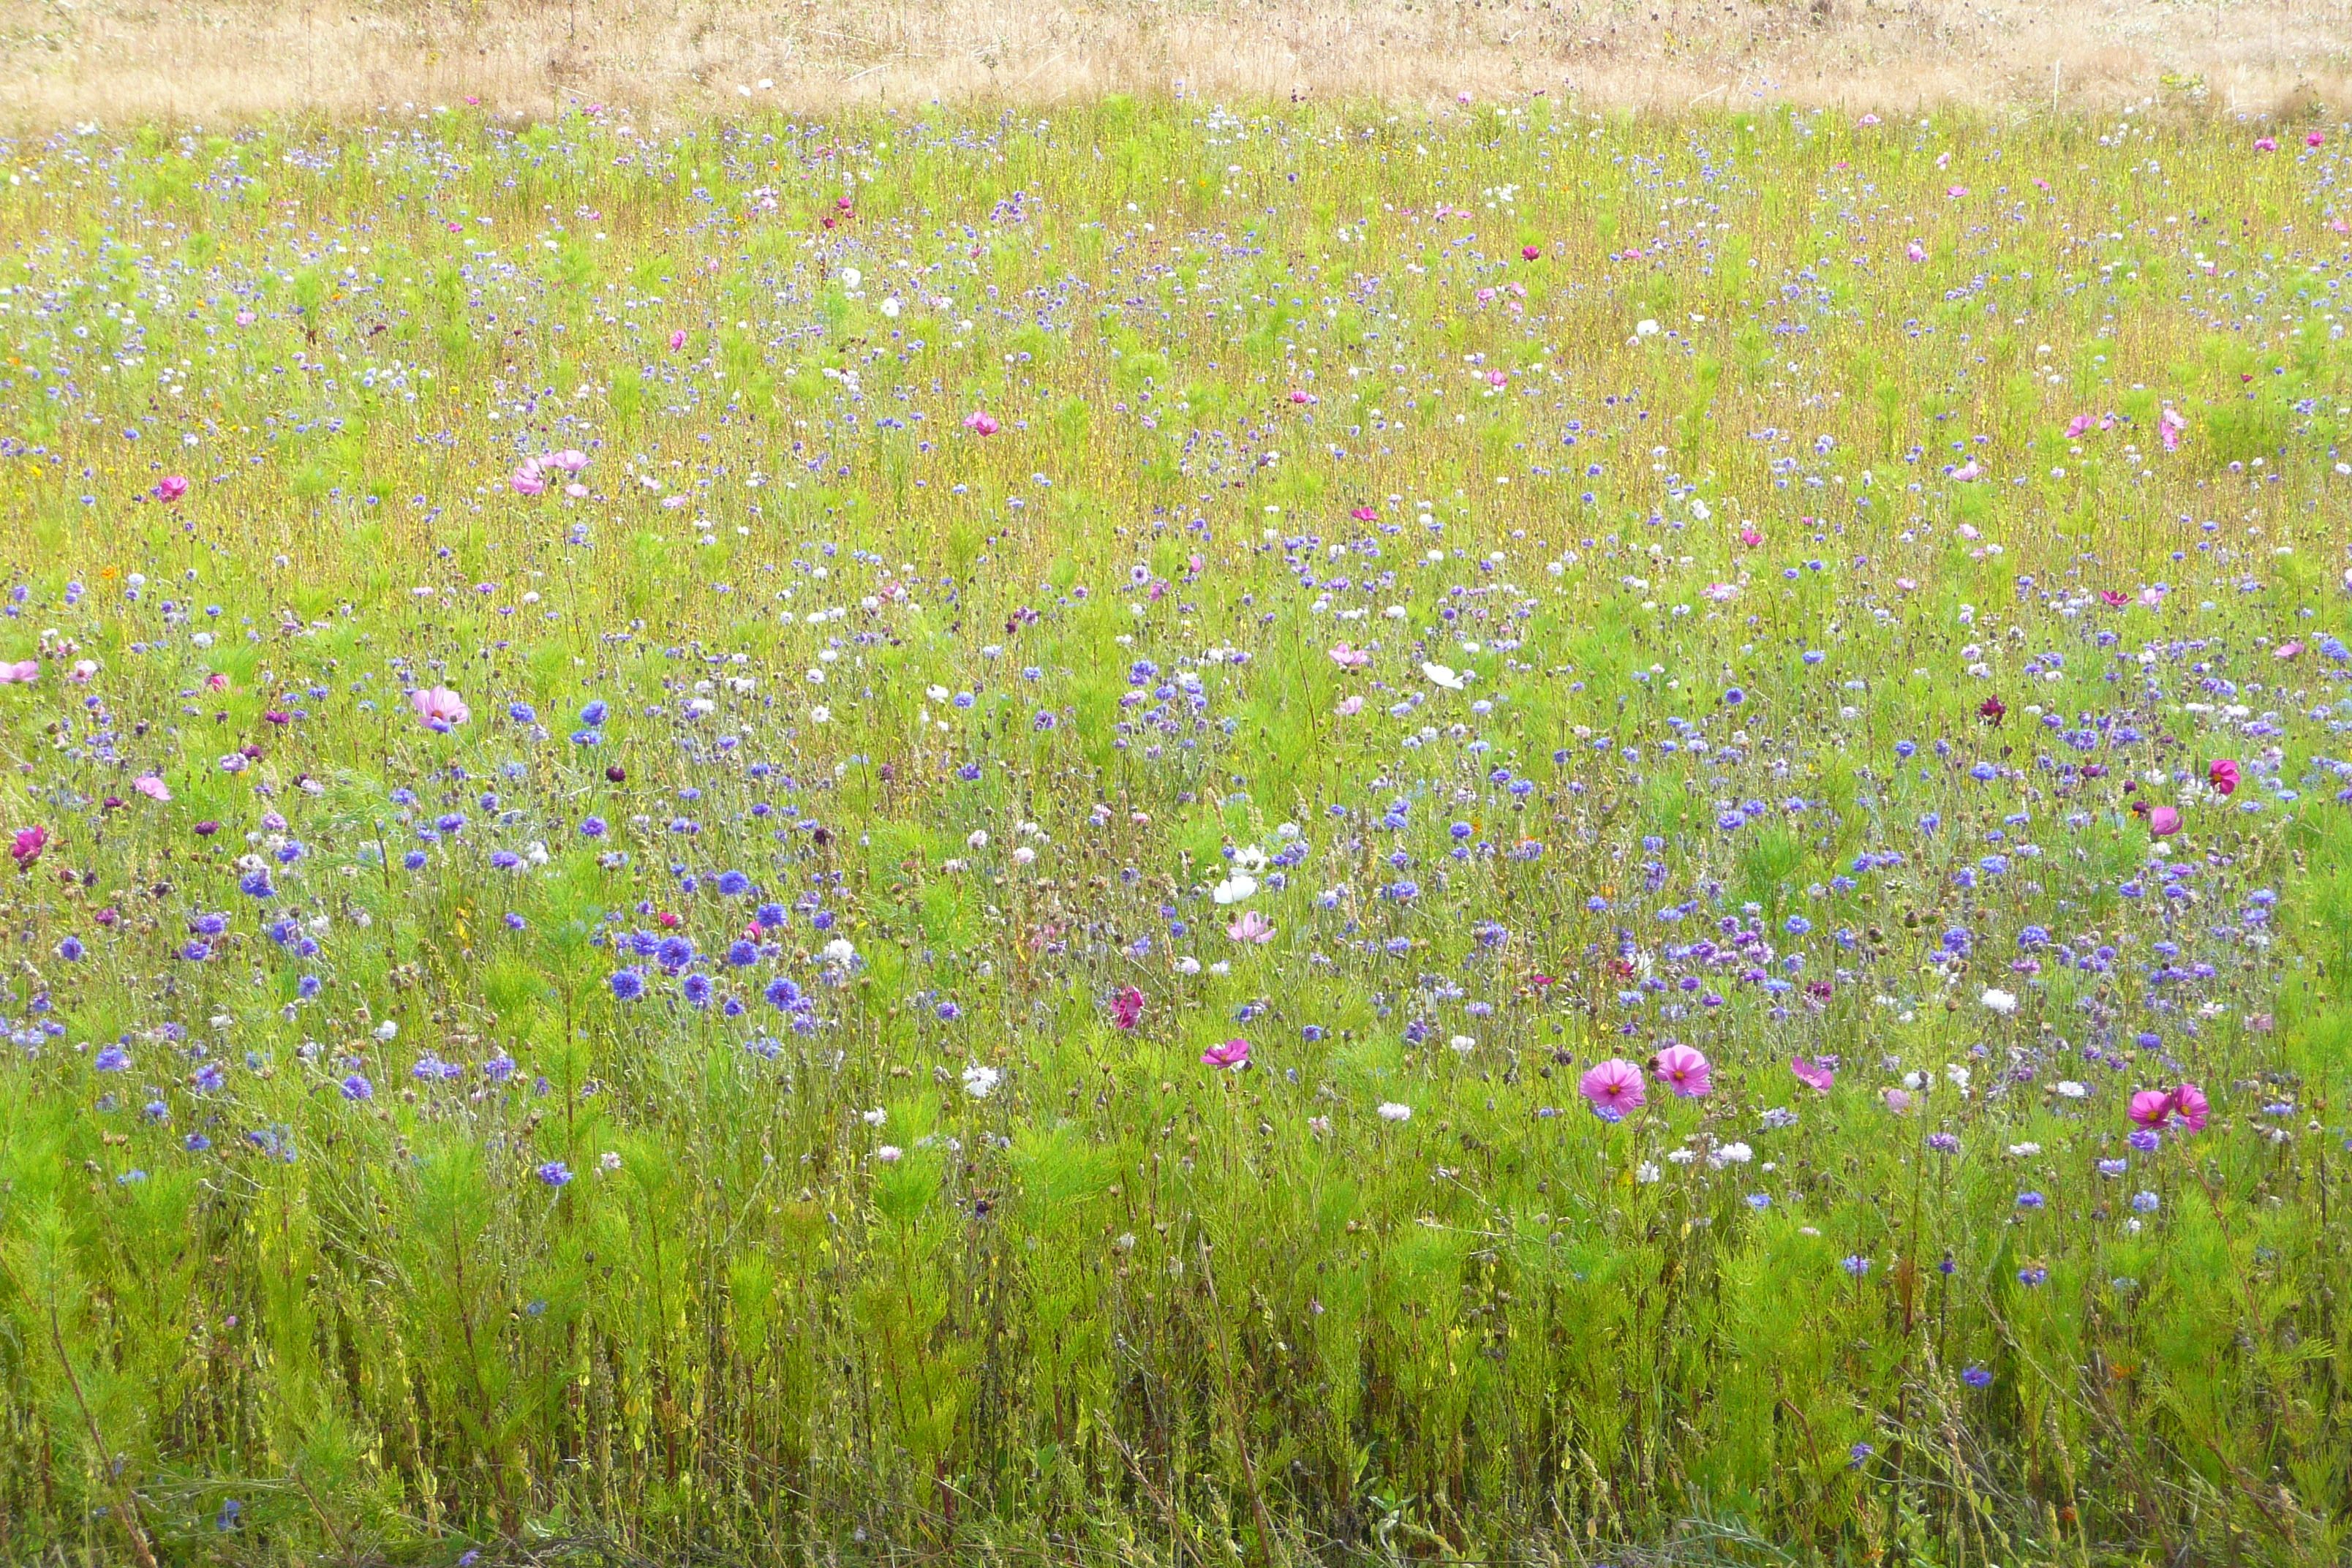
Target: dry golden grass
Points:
(213, 60)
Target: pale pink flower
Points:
(82, 670)
(1968, 471)
(570, 461)
(678, 340)
(2077, 425)
(217, 682)
(153, 787)
(1685, 1071)
(2163, 821)
(171, 487)
(1956, 191)
(1813, 1075)
(981, 422)
(24, 672)
(2170, 426)
(1253, 927)
(441, 709)
(1349, 707)
(1349, 658)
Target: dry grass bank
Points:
(63, 61)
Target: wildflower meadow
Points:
(1155, 834)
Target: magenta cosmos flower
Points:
(1613, 1085)
(981, 422)
(1813, 1075)
(2223, 776)
(1233, 1054)
(1685, 1071)
(1126, 1007)
(2184, 1104)
(441, 709)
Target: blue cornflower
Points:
(628, 985)
(357, 1088)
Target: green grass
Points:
(374, 1188)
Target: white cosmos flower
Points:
(1442, 676)
(980, 1083)
(1234, 889)
(2001, 1002)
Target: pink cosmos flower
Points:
(441, 709)
(981, 422)
(2315, 138)
(526, 480)
(1126, 1007)
(2190, 1104)
(1968, 471)
(1233, 1054)
(1915, 251)
(678, 340)
(2113, 600)
(1299, 394)
(1748, 536)
(1613, 1085)
(24, 672)
(1813, 1075)
(217, 682)
(1348, 657)
(2152, 595)
(2223, 776)
(153, 787)
(1364, 514)
(2152, 1108)
(82, 670)
(171, 487)
(2163, 821)
(1867, 119)
(1349, 707)
(2288, 649)
(1956, 192)
(1252, 927)
(572, 460)
(2169, 426)
(2077, 425)
(28, 846)
(1685, 1071)
(1531, 252)
(2265, 144)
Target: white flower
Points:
(1250, 858)
(851, 278)
(2071, 1090)
(839, 951)
(1443, 677)
(820, 715)
(936, 693)
(889, 1154)
(1188, 965)
(980, 1083)
(1023, 856)
(1645, 328)
(1462, 1045)
(388, 1030)
(1958, 1076)
(1681, 1156)
(1391, 1111)
(1731, 1154)
(1645, 1172)
(978, 840)
(876, 1117)
(609, 1160)
(1234, 889)
(2001, 1002)
(2025, 1151)
(890, 307)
